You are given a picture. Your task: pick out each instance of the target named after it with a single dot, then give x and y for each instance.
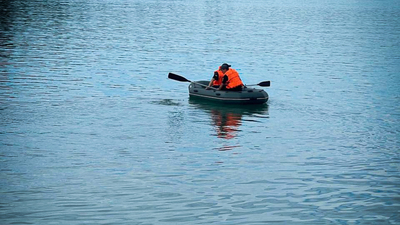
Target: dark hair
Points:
(225, 66)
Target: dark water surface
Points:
(93, 132)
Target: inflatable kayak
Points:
(246, 96)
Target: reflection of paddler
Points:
(226, 123)
(227, 119)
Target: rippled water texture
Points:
(93, 132)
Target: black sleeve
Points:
(225, 79)
(215, 76)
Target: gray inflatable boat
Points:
(197, 89)
(248, 95)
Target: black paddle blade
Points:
(264, 84)
(177, 77)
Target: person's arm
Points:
(211, 82)
(215, 77)
(224, 81)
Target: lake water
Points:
(93, 132)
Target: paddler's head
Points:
(224, 67)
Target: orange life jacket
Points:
(220, 76)
(233, 79)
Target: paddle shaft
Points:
(262, 84)
(182, 79)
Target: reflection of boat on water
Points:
(240, 109)
(228, 118)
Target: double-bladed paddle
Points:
(174, 76)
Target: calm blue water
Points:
(93, 132)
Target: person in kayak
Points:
(226, 78)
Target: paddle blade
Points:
(264, 84)
(177, 77)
